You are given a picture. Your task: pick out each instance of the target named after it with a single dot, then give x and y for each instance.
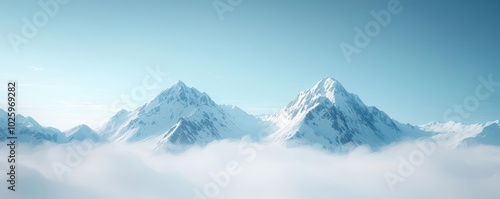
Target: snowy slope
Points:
(253, 126)
(453, 134)
(335, 119)
(180, 115)
(490, 135)
(28, 130)
(81, 133)
(114, 124)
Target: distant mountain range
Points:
(454, 134)
(327, 116)
(30, 131)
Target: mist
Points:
(243, 169)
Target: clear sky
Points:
(259, 57)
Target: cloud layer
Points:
(247, 170)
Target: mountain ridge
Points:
(326, 114)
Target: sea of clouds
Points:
(246, 170)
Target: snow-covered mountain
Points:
(329, 116)
(28, 130)
(180, 116)
(81, 133)
(453, 134)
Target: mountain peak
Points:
(79, 128)
(178, 84)
(30, 122)
(327, 91)
(327, 81)
(121, 113)
(329, 88)
(329, 115)
(178, 88)
(178, 95)
(327, 84)
(83, 127)
(81, 132)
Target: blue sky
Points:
(90, 53)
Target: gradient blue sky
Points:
(259, 57)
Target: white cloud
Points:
(132, 171)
